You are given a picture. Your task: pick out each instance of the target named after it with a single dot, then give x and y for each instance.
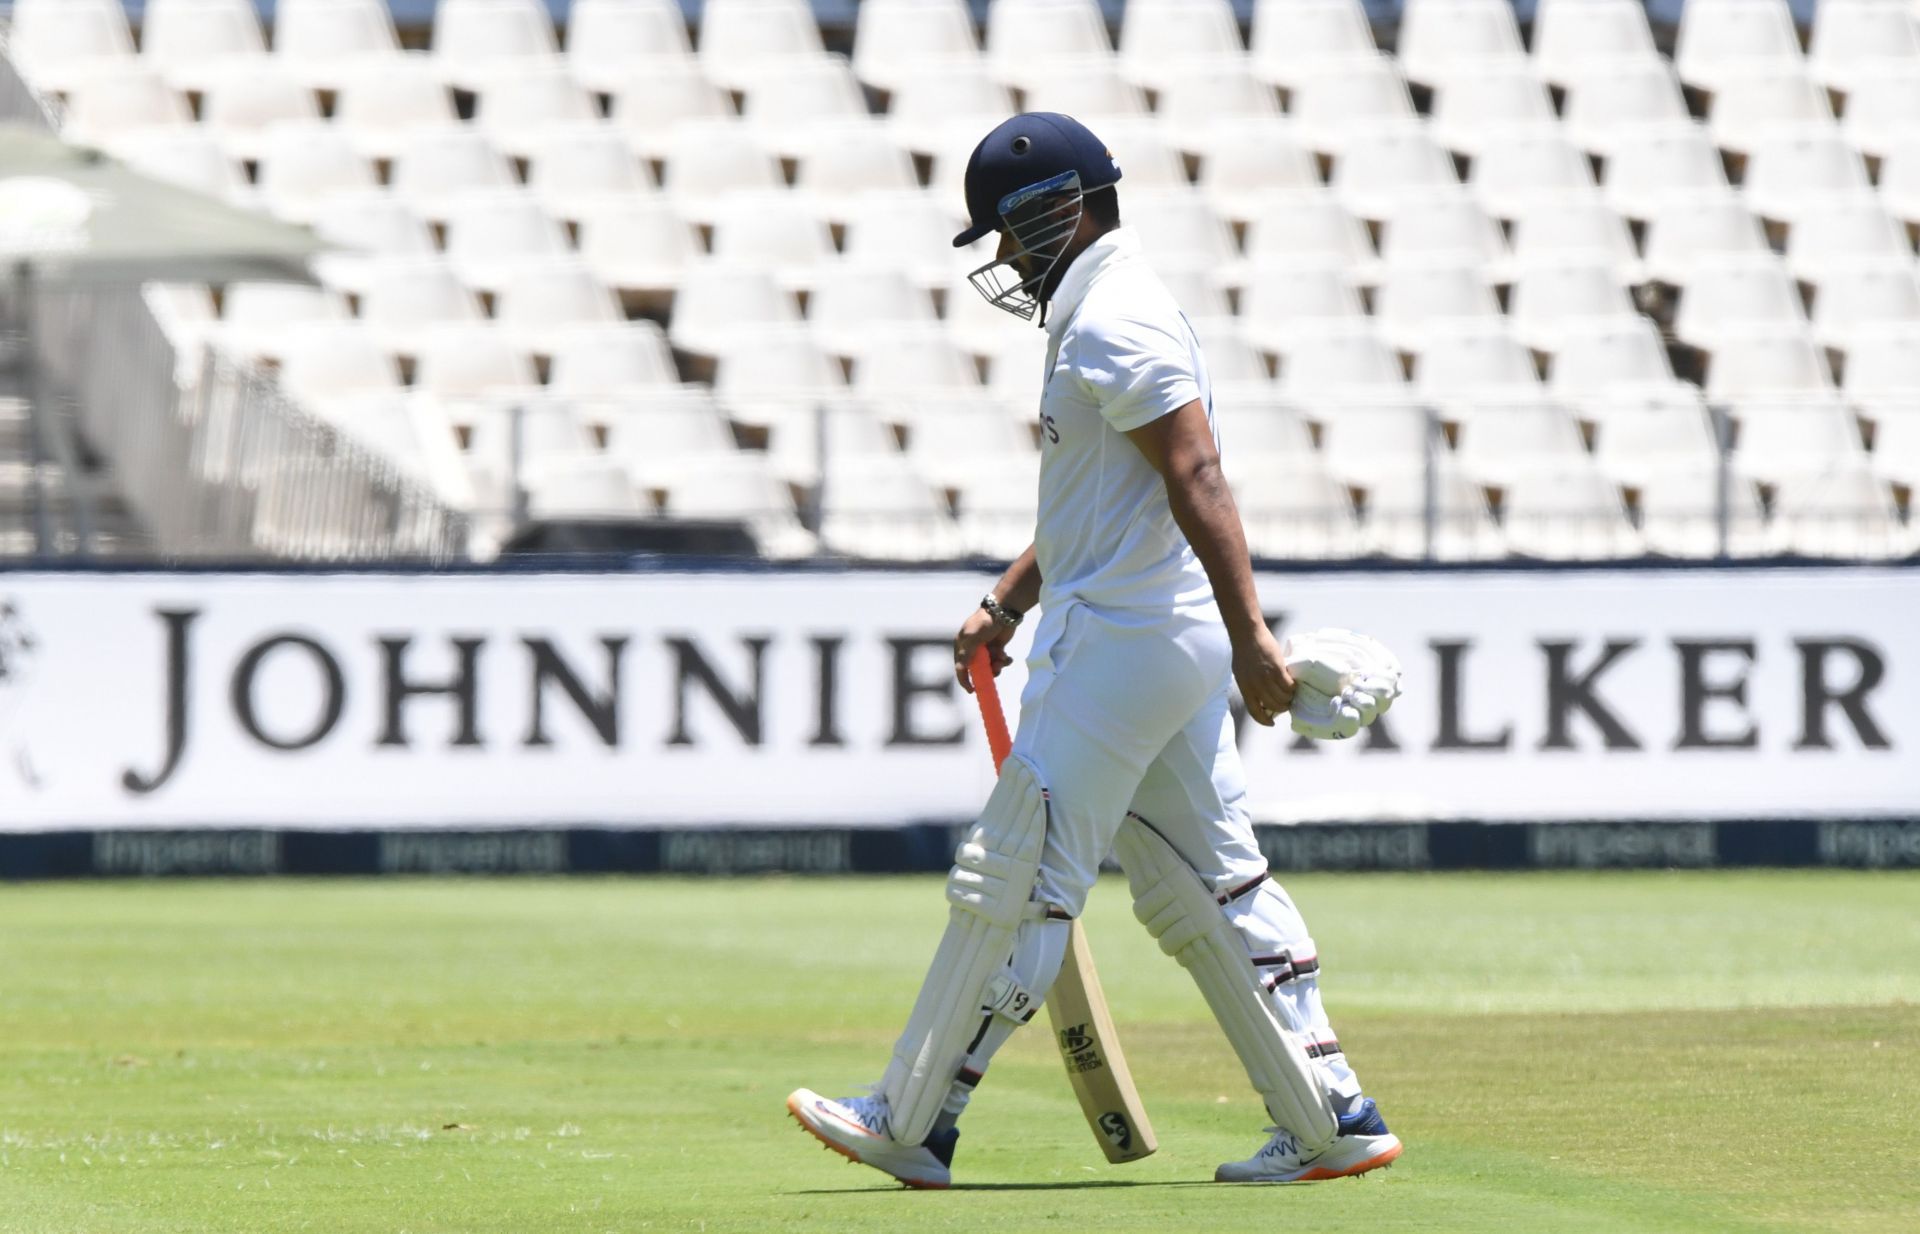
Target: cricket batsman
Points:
(1147, 615)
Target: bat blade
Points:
(1076, 1006)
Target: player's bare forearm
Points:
(1019, 587)
(1180, 446)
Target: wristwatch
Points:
(1001, 614)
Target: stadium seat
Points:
(1550, 304)
(1291, 38)
(1342, 103)
(1526, 169)
(1680, 513)
(471, 360)
(1474, 112)
(894, 365)
(1754, 108)
(477, 42)
(1377, 445)
(1472, 363)
(1509, 434)
(657, 434)
(322, 43)
(521, 112)
(1232, 359)
(844, 164)
(1414, 303)
(243, 102)
(1259, 422)
(784, 109)
(709, 161)
(1246, 167)
(1568, 513)
(740, 488)
(1139, 144)
(1864, 299)
(1883, 364)
(102, 109)
(851, 301)
(322, 360)
(491, 236)
(715, 299)
(910, 230)
(1091, 90)
(1590, 40)
(1303, 230)
(880, 508)
(1661, 166)
(1196, 289)
(1027, 38)
(577, 167)
(614, 361)
(404, 301)
(1777, 437)
(1338, 364)
(1896, 442)
(1295, 511)
(1179, 226)
(998, 510)
(1160, 37)
(895, 41)
(743, 42)
(1683, 236)
(541, 305)
(1608, 109)
(1787, 175)
(1883, 106)
(1639, 434)
(192, 43)
(1900, 179)
(54, 44)
(582, 487)
(1443, 41)
(1555, 233)
(372, 226)
(826, 430)
(1395, 516)
(1378, 170)
(1616, 359)
(612, 42)
(304, 165)
(650, 109)
(435, 169)
(1845, 512)
(774, 231)
(1280, 302)
(1762, 363)
(1197, 99)
(257, 316)
(187, 156)
(384, 107)
(1737, 297)
(946, 104)
(1852, 39)
(1448, 230)
(1721, 40)
(956, 442)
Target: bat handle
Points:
(986, 692)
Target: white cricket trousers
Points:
(1127, 713)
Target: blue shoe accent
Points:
(941, 1143)
(1364, 1120)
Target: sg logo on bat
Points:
(1113, 1125)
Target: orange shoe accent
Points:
(830, 1146)
(1371, 1163)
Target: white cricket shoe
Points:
(856, 1128)
(1364, 1144)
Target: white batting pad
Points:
(1183, 916)
(990, 889)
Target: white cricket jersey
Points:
(1120, 354)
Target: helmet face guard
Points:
(1041, 219)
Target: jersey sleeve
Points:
(1136, 371)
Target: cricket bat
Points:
(1082, 1025)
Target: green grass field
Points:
(1606, 1053)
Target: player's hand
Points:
(980, 630)
(1260, 670)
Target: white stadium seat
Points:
(1341, 364)
(1863, 300)
(188, 156)
(650, 109)
(1735, 298)
(710, 161)
(998, 510)
(741, 488)
(471, 360)
(255, 317)
(612, 361)
(323, 42)
(745, 41)
(1527, 169)
(542, 305)
(1900, 178)
(774, 231)
(304, 165)
(1777, 438)
(611, 42)
(490, 236)
(1448, 230)
(1291, 38)
(880, 508)
(1760, 363)
(716, 299)
(1379, 169)
(1638, 435)
(1680, 513)
(1340, 103)
(1550, 304)
(1483, 109)
(1723, 39)
(1854, 38)
(845, 164)
(375, 226)
(1180, 226)
(403, 302)
(1280, 302)
(1568, 513)
(1301, 230)
(577, 167)
(1788, 175)
(1474, 363)
(1414, 303)
(1091, 90)
(325, 359)
(520, 112)
(193, 42)
(102, 109)
(785, 108)
(1245, 167)
(850, 301)
(1158, 37)
(1618, 359)
(894, 364)
(1846, 512)
(1884, 364)
(1194, 99)
(56, 43)
(242, 103)
(1501, 438)
(897, 40)
(1554, 233)
(1753, 108)
(477, 41)
(1442, 41)
(799, 430)
(1662, 166)
(946, 104)
(1026, 38)
(1582, 40)
(383, 107)
(1395, 519)
(910, 230)
(1684, 236)
(1378, 445)
(436, 168)
(1297, 512)
(1606, 110)
(1883, 107)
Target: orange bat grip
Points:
(986, 692)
